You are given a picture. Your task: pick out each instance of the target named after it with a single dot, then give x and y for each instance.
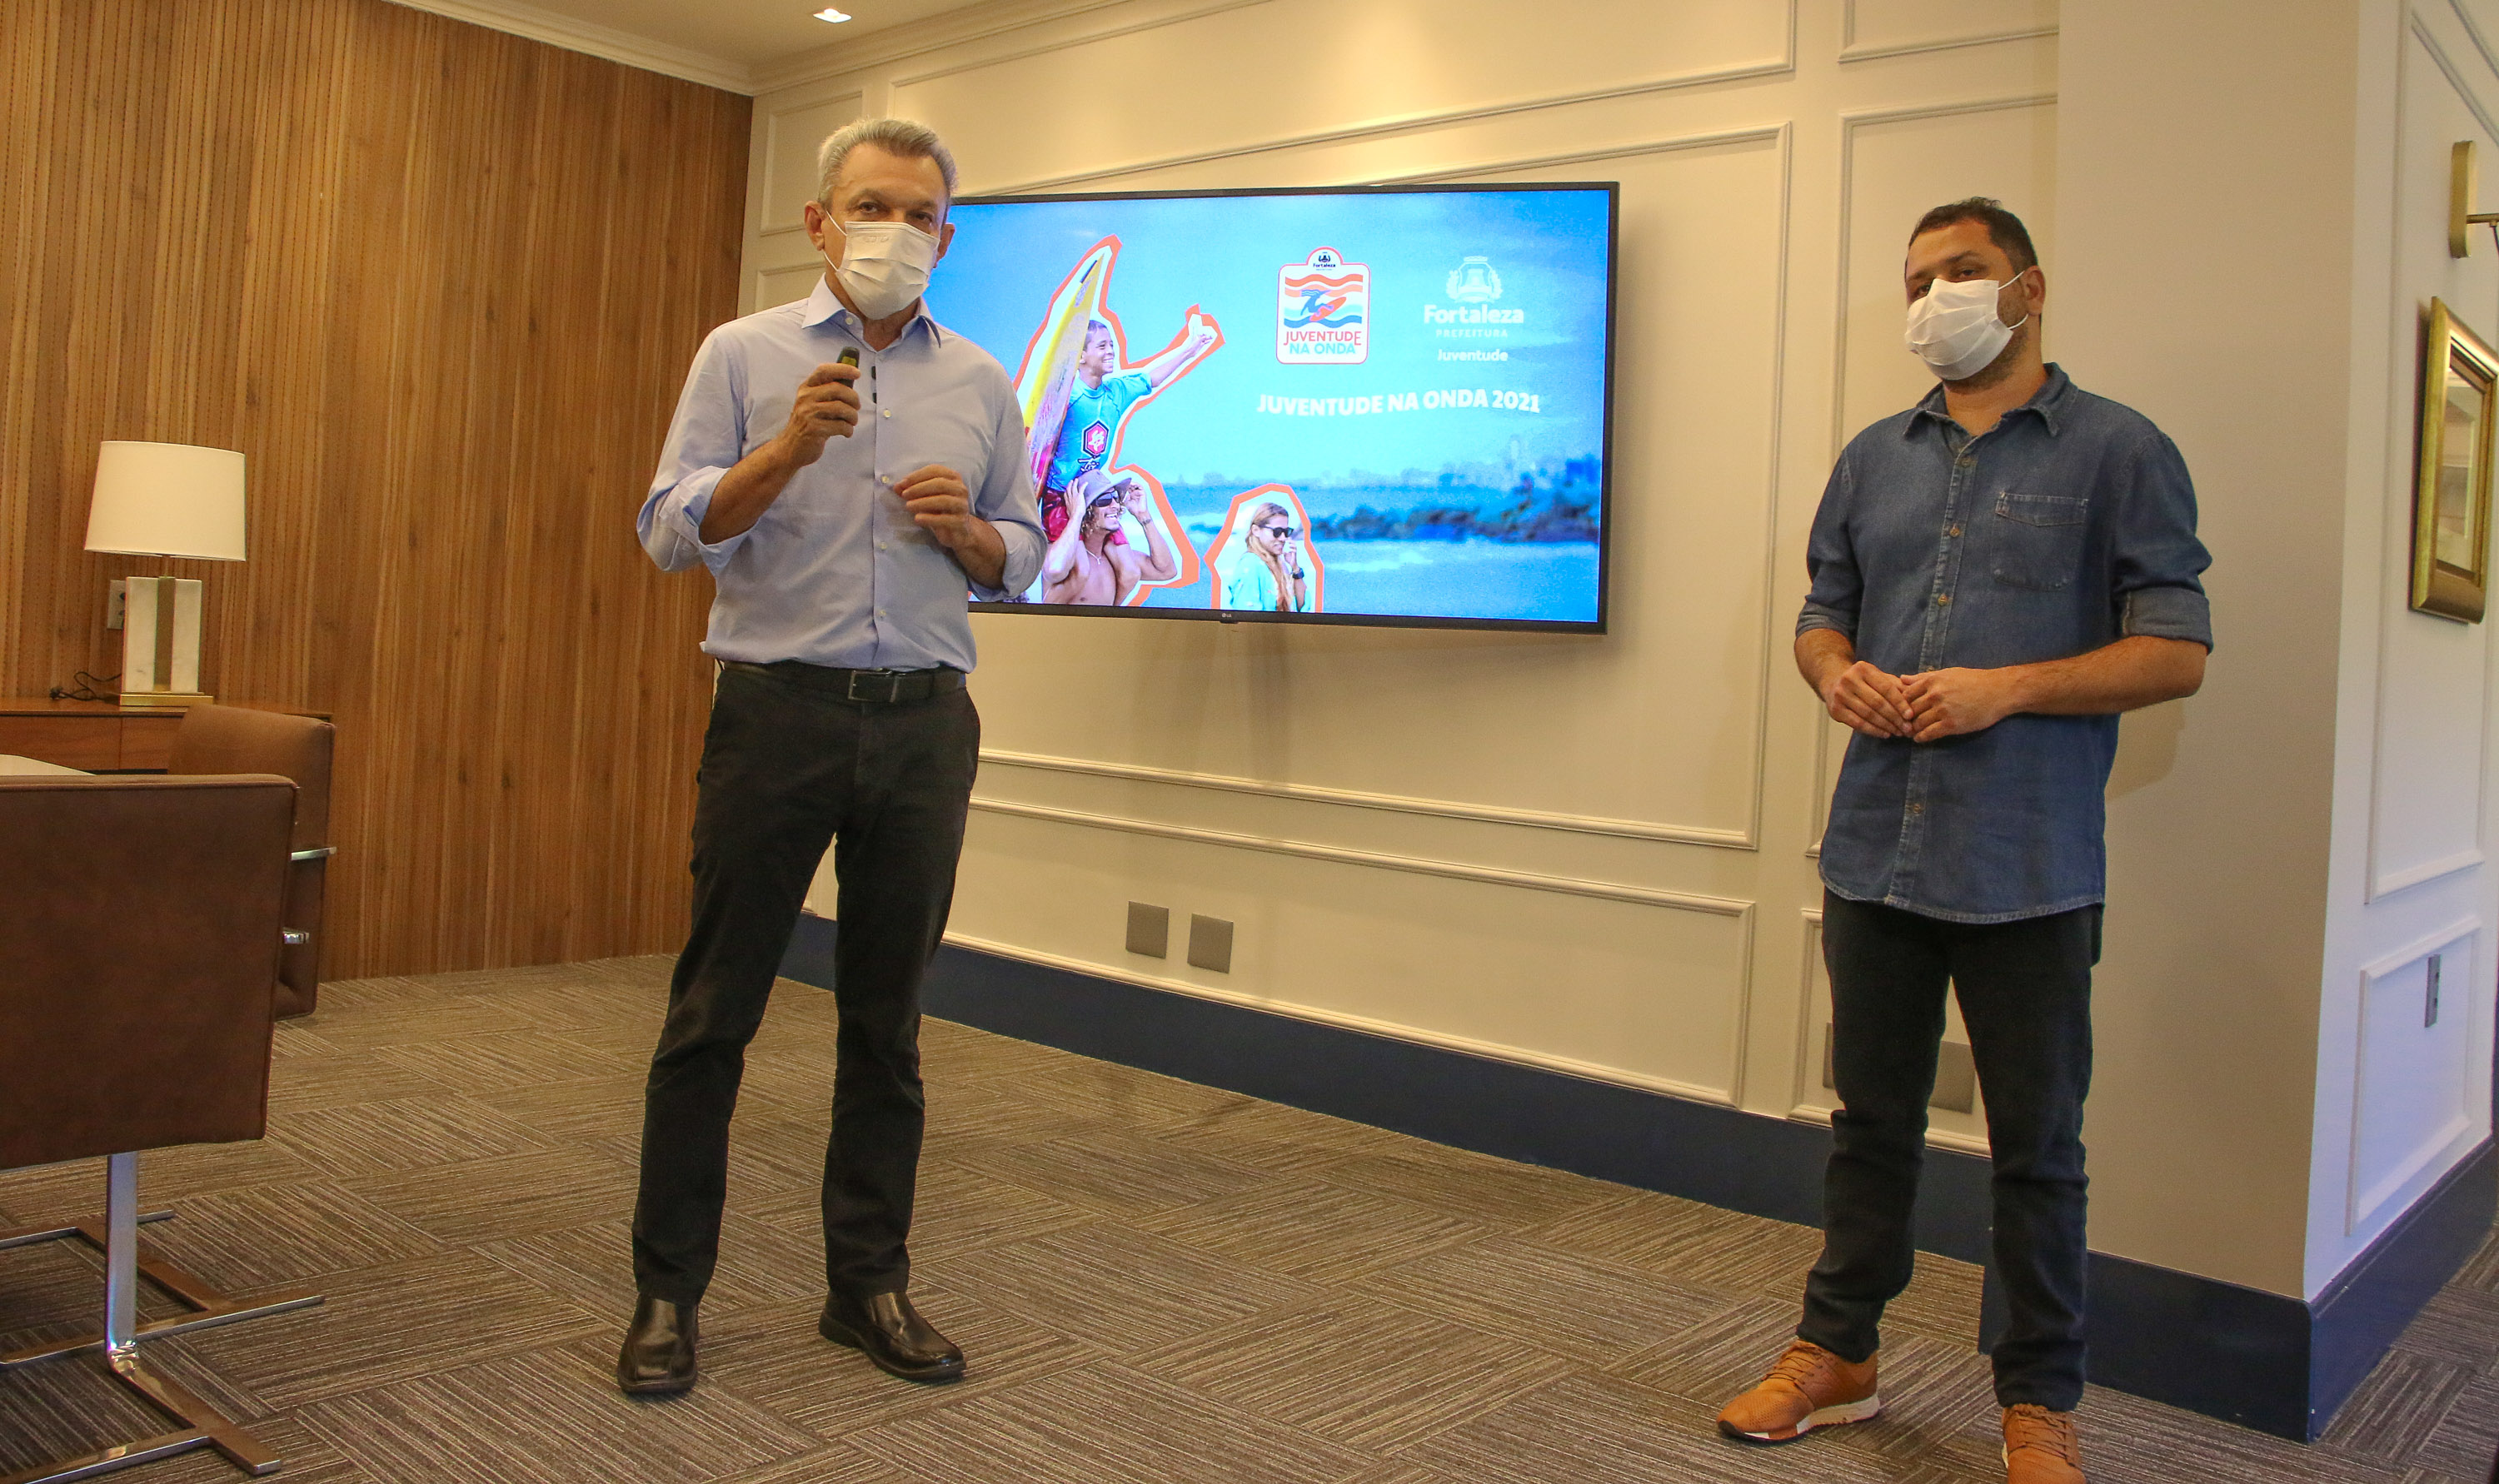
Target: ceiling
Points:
(726, 42)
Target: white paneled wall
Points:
(1596, 853)
(2400, 1101)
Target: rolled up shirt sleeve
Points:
(2157, 558)
(1006, 501)
(706, 440)
(1838, 586)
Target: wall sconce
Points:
(2461, 218)
(165, 499)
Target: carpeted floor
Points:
(1156, 1282)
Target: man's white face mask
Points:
(1956, 329)
(884, 265)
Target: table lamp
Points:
(165, 499)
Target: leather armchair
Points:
(237, 739)
(141, 933)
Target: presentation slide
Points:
(1383, 404)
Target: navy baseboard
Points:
(2260, 1359)
(2369, 1303)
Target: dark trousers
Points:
(788, 766)
(2024, 991)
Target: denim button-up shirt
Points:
(836, 572)
(2068, 526)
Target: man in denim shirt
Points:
(1998, 572)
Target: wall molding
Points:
(1419, 865)
(513, 18)
(766, 225)
(2419, 26)
(1852, 49)
(1759, 134)
(2380, 881)
(2386, 885)
(1852, 52)
(1394, 803)
(1392, 1030)
(1849, 125)
(1804, 1108)
(2364, 1209)
(1107, 33)
(963, 26)
(2472, 33)
(1783, 136)
(1419, 121)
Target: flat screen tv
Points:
(1378, 406)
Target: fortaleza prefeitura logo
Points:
(1324, 310)
(1475, 285)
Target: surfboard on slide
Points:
(1047, 379)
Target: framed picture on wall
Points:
(2451, 508)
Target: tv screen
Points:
(1378, 406)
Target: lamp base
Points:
(145, 699)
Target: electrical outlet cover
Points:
(1149, 930)
(1209, 944)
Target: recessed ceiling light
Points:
(830, 13)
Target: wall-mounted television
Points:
(1385, 405)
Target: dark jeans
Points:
(788, 766)
(2026, 991)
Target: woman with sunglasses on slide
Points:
(1266, 573)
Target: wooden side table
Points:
(98, 737)
(94, 736)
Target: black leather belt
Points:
(882, 687)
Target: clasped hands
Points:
(828, 407)
(1923, 707)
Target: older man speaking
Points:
(845, 469)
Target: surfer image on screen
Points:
(1090, 563)
(1098, 399)
(1265, 569)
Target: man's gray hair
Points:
(896, 136)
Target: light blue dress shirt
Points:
(836, 572)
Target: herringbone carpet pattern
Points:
(1156, 1282)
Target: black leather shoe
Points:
(894, 1335)
(658, 1354)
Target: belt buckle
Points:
(893, 680)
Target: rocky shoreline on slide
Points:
(1566, 514)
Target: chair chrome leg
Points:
(208, 1306)
(87, 1466)
(204, 1426)
(28, 1236)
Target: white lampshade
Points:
(167, 500)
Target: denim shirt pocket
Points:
(2039, 541)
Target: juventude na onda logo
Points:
(1324, 310)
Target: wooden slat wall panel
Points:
(440, 286)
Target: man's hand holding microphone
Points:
(828, 407)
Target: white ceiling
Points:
(729, 44)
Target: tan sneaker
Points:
(1809, 1388)
(2041, 1446)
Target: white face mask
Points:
(884, 265)
(1956, 329)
